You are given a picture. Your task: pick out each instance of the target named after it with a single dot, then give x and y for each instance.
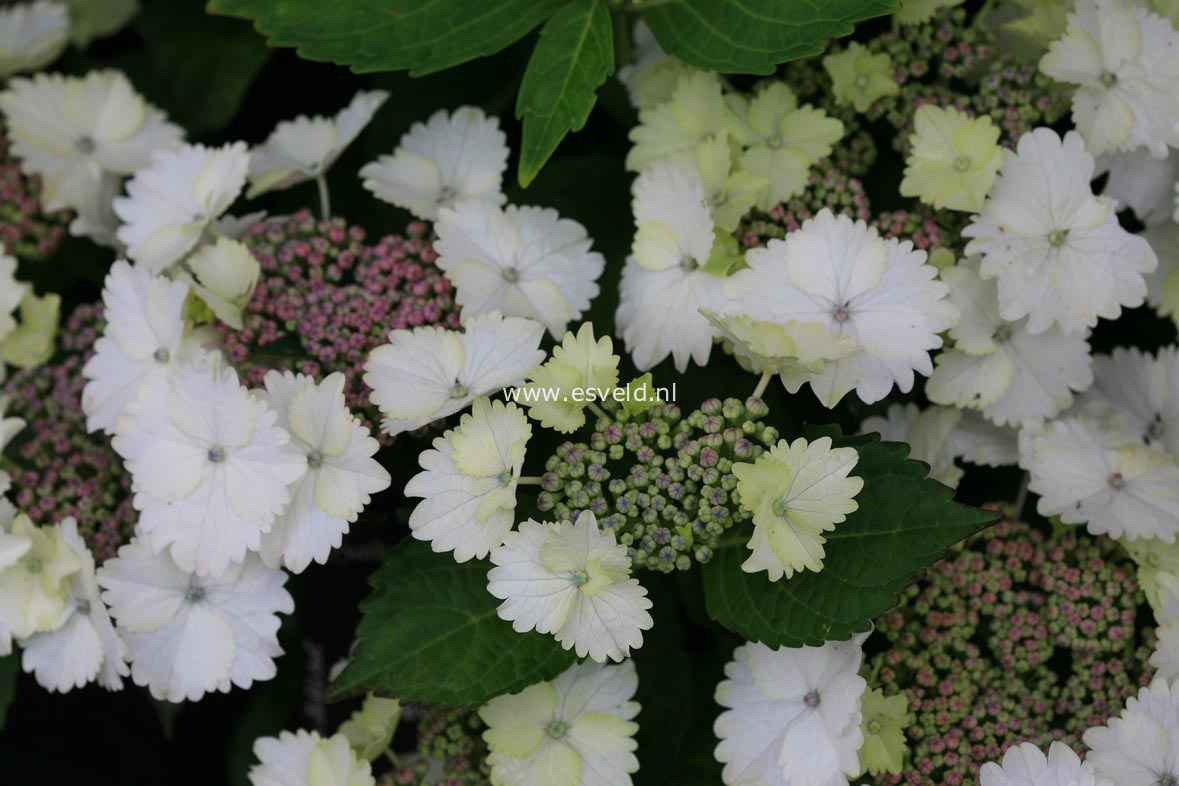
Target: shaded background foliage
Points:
(216, 76)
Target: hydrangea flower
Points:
(1165, 658)
(84, 647)
(1140, 745)
(674, 128)
(571, 580)
(305, 148)
(144, 340)
(307, 759)
(341, 472)
(211, 468)
(731, 192)
(840, 274)
(1000, 368)
(792, 715)
(665, 281)
(522, 261)
(577, 730)
(781, 139)
(370, 729)
(1156, 560)
(859, 76)
(883, 727)
(32, 35)
(1026, 765)
(81, 134)
(580, 368)
(28, 231)
(1136, 395)
(468, 481)
(452, 157)
(171, 204)
(427, 373)
(1117, 489)
(779, 349)
(225, 276)
(11, 293)
(653, 75)
(931, 435)
(1141, 182)
(33, 342)
(1124, 61)
(36, 564)
(953, 158)
(1058, 253)
(187, 635)
(796, 492)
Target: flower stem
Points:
(594, 408)
(325, 199)
(1021, 497)
(529, 480)
(762, 384)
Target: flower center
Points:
(1002, 333)
(33, 566)
(1057, 237)
(579, 578)
(1116, 480)
(688, 264)
(446, 195)
(874, 726)
(315, 459)
(862, 81)
(511, 275)
(556, 729)
(504, 478)
(774, 142)
(82, 606)
(198, 218)
(84, 144)
(840, 313)
(195, 594)
(781, 506)
(459, 390)
(162, 355)
(1109, 80)
(1168, 780)
(811, 699)
(962, 163)
(216, 454)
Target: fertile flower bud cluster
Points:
(59, 469)
(1019, 635)
(450, 752)
(326, 298)
(25, 229)
(661, 481)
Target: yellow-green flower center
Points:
(1057, 237)
(579, 578)
(962, 163)
(216, 454)
(556, 729)
(511, 275)
(85, 144)
(315, 459)
(459, 390)
(1109, 79)
(874, 726)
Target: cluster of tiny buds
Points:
(827, 186)
(661, 481)
(25, 230)
(450, 752)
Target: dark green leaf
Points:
(9, 672)
(391, 35)
(753, 36)
(572, 59)
(665, 686)
(430, 635)
(905, 522)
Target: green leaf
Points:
(753, 36)
(392, 35)
(904, 523)
(574, 56)
(9, 672)
(430, 635)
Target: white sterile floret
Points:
(186, 635)
(1026, 765)
(84, 647)
(664, 283)
(652, 76)
(226, 274)
(1140, 745)
(571, 580)
(1165, 658)
(36, 565)
(1136, 396)
(1058, 253)
(930, 435)
(171, 204)
(674, 128)
(12, 292)
(792, 715)
(32, 35)
(779, 348)
(577, 730)
(144, 340)
(210, 466)
(307, 759)
(1142, 183)
(1118, 489)
(427, 373)
(840, 274)
(452, 157)
(305, 148)
(468, 481)
(522, 261)
(77, 132)
(341, 476)
(1125, 62)
(1000, 368)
